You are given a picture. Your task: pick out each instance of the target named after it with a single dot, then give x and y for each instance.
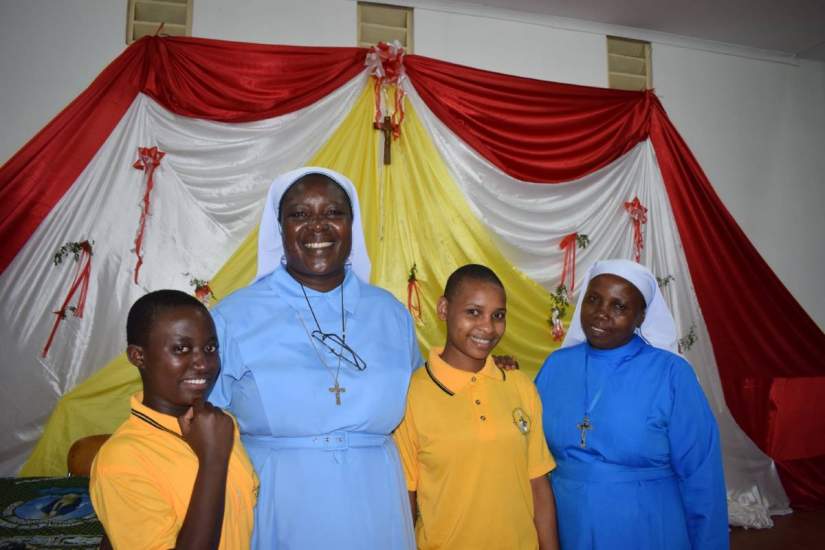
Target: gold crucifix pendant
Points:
(337, 389)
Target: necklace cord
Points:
(340, 341)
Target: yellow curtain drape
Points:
(413, 212)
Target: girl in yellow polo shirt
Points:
(174, 474)
(471, 441)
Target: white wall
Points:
(756, 126)
(299, 22)
(513, 47)
(50, 51)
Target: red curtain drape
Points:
(547, 132)
(533, 130)
(210, 79)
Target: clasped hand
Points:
(208, 430)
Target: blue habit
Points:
(330, 474)
(650, 474)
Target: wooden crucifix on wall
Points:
(386, 129)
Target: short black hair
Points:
(307, 176)
(475, 272)
(143, 312)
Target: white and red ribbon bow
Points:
(386, 63)
(148, 160)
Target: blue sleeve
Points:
(541, 378)
(415, 353)
(231, 364)
(696, 457)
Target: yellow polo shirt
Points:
(470, 443)
(142, 479)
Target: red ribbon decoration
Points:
(148, 160)
(569, 245)
(81, 281)
(638, 215)
(414, 295)
(386, 64)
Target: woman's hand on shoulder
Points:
(506, 362)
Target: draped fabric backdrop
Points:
(488, 168)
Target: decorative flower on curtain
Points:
(82, 253)
(558, 309)
(686, 342)
(638, 217)
(560, 300)
(203, 291)
(664, 281)
(148, 160)
(386, 63)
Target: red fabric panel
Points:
(796, 427)
(531, 129)
(804, 480)
(211, 79)
(240, 82)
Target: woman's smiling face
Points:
(611, 311)
(179, 361)
(316, 225)
(476, 317)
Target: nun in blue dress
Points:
(315, 367)
(637, 449)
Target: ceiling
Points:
(784, 27)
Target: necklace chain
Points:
(586, 424)
(337, 389)
(317, 324)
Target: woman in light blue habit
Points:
(316, 364)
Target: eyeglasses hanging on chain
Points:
(344, 352)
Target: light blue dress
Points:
(650, 476)
(330, 474)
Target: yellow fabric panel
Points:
(97, 406)
(413, 212)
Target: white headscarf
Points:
(658, 328)
(270, 244)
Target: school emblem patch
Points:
(521, 420)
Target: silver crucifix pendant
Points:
(584, 426)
